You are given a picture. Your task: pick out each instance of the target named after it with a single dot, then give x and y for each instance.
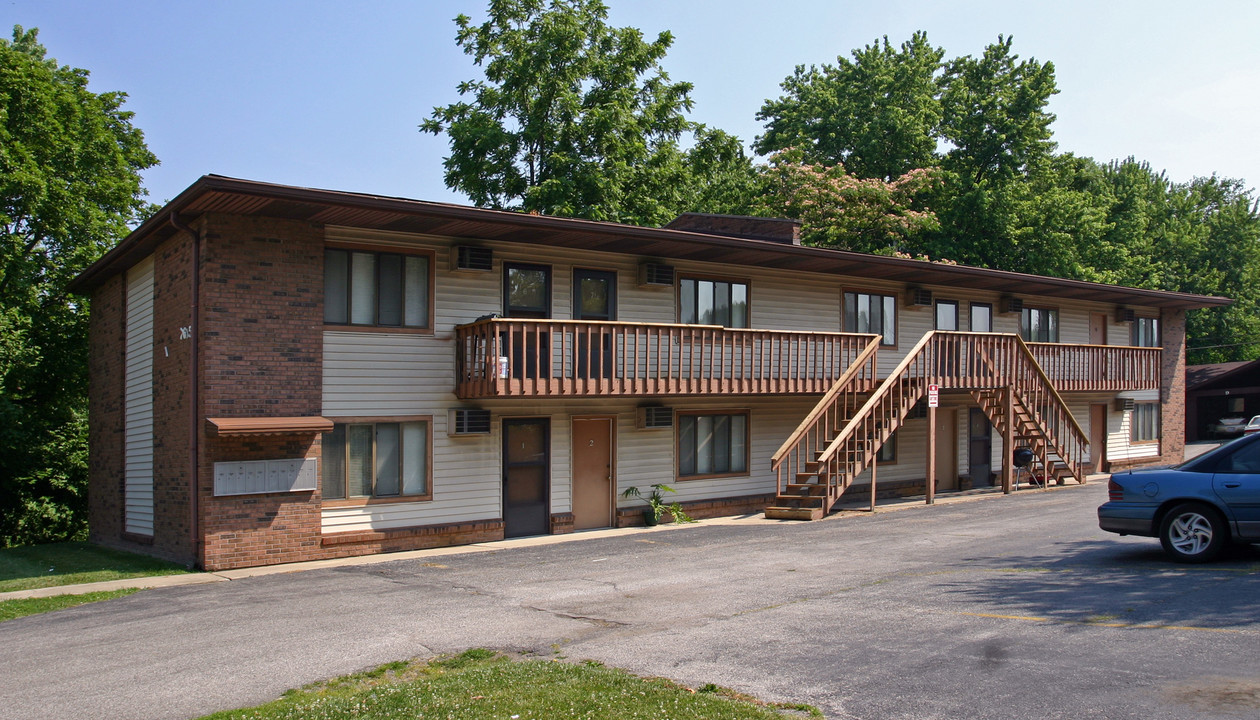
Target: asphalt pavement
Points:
(1002, 607)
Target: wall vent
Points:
(1012, 304)
(1125, 315)
(1124, 404)
(656, 274)
(919, 296)
(656, 417)
(468, 421)
(471, 258)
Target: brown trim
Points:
(398, 330)
(746, 472)
(245, 426)
(368, 536)
(426, 496)
(896, 344)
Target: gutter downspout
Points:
(194, 434)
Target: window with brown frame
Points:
(1145, 332)
(1144, 424)
(712, 444)
(705, 301)
(377, 289)
(376, 461)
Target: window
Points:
(1039, 325)
(946, 314)
(1144, 424)
(376, 460)
(888, 451)
(981, 317)
(712, 444)
(526, 291)
(377, 289)
(875, 314)
(1145, 332)
(713, 302)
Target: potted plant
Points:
(657, 505)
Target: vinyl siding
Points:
(138, 422)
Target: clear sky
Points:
(325, 93)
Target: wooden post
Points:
(1008, 439)
(874, 467)
(931, 455)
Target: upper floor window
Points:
(981, 317)
(946, 314)
(1039, 325)
(376, 288)
(713, 302)
(526, 291)
(1145, 332)
(376, 460)
(868, 313)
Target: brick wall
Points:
(1172, 446)
(105, 412)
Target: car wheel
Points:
(1193, 533)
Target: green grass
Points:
(10, 609)
(38, 566)
(481, 684)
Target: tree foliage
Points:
(70, 163)
(574, 118)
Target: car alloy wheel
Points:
(1192, 532)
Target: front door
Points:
(1098, 437)
(526, 476)
(592, 473)
(946, 449)
(980, 448)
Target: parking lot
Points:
(999, 607)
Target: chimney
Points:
(778, 230)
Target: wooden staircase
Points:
(813, 472)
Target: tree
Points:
(70, 163)
(878, 115)
(573, 118)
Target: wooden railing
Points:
(799, 452)
(500, 357)
(949, 360)
(1099, 367)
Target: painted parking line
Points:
(1095, 623)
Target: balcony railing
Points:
(1099, 367)
(502, 357)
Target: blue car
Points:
(1195, 508)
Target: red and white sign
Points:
(934, 396)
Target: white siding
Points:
(138, 411)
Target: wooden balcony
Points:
(1099, 367)
(500, 357)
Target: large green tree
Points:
(574, 117)
(70, 163)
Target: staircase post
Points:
(1008, 438)
(931, 455)
(874, 472)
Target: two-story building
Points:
(284, 374)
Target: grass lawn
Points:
(37, 566)
(483, 684)
(10, 609)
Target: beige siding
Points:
(138, 423)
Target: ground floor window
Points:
(888, 451)
(373, 460)
(712, 444)
(1144, 425)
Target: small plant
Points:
(657, 505)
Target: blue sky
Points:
(329, 94)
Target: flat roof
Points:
(219, 194)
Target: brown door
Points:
(592, 473)
(526, 477)
(1097, 329)
(1098, 437)
(946, 449)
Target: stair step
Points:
(805, 489)
(788, 513)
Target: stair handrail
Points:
(858, 364)
(877, 396)
(1054, 392)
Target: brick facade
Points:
(106, 329)
(1172, 381)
